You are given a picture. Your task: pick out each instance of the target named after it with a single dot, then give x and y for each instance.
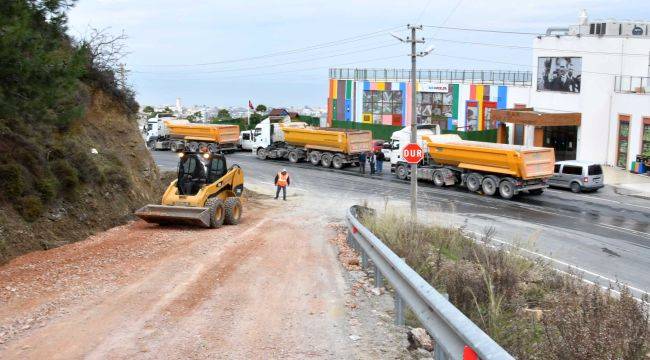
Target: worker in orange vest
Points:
(282, 180)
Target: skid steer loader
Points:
(206, 193)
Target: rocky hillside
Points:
(71, 158)
(89, 191)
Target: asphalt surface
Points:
(603, 237)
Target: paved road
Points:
(602, 236)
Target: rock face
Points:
(419, 339)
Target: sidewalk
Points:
(627, 183)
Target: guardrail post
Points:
(399, 310)
(364, 260)
(379, 279)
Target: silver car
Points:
(577, 176)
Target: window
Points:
(432, 104)
(246, 136)
(645, 137)
(623, 138)
(557, 169)
(594, 170)
(380, 102)
(572, 170)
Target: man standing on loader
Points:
(282, 180)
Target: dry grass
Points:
(531, 310)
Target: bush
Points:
(29, 207)
(12, 181)
(66, 174)
(47, 186)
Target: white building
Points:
(601, 70)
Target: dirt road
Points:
(270, 287)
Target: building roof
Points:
(293, 115)
(529, 116)
(279, 112)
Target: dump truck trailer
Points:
(181, 135)
(483, 167)
(324, 146)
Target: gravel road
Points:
(270, 287)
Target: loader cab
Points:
(196, 170)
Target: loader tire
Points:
(217, 212)
(233, 211)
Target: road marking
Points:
(601, 199)
(561, 262)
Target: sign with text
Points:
(413, 153)
(433, 87)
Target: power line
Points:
(285, 52)
(285, 71)
(481, 30)
(534, 48)
(385, 45)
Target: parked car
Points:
(577, 176)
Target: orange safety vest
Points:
(282, 179)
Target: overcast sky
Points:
(165, 34)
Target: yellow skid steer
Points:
(206, 193)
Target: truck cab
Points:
(246, 139)
(156, 129)
(399, 139)
(267, 133)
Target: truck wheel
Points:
(217, 212)
(261, 154)
(193, 146)
(233, 211)
(575, 187)
(314, 157)
(489, 185)
(473, 182)
(173, 147)
(151, 145)
(506, 189)
(402, 172)
(326, 160)
(338, 161)
(438, 178)
(213, 148)
(294, 157)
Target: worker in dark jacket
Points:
(371, 161)
(380, 157)
(362, 162)
(282, 180)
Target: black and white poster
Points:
(559, 74)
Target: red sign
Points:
(413, 153)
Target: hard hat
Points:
(284, 170)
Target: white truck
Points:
(267, 133)
(399, 139)
(246, 140)
(157, 135)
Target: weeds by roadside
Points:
(524, 305)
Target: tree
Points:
(148, 109)
(261, 108)
(167, 109)
(223, 114)
(255, 119)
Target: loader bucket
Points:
(182, 215)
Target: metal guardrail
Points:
(492, 77)
(632, 84)
(451, 330)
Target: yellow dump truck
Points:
(193, 137)
(324, 146)
(484, 167)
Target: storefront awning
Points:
(529, 116)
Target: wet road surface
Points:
(601, 236)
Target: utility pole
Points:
(414, 118)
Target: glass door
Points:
(623, 138)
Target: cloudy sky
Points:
(277, 52)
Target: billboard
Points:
(559, 74)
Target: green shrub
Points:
(12, 181)
(66, 174)
(47, 186)
(29, 207)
